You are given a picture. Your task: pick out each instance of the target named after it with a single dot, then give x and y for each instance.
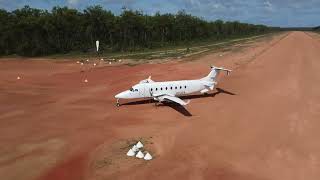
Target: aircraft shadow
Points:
(177, 107)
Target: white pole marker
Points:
(97, 45)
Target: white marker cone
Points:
(131, 153)
(120, 60)
(135, 148)
(139, 145)
(81, 64)
(87, 60)
(109, 62)
(94, 64)
(140, 155)
(18, 77)
(86, 80)
(101, 59)
(78, 62)
(147, 157)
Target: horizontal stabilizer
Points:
(221, 69)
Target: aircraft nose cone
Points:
(121, 95)
(118, 96)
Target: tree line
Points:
(35, 32)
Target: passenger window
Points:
(171, 88)
(166, 88)
(161, 89)
(185, 87)
(180, 87)
(156, 89)
(136, 89)
(151, 89)
(176, 87)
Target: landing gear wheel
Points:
(118, 104)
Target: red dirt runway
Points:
(55, 126)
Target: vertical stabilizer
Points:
(215, 71)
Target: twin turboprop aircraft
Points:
(170, 91)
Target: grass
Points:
(170, 51)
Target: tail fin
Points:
(215, 71)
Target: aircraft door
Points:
(142, 92)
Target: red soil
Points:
(55, 126)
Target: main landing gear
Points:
(118, 104)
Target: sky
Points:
(283, 13)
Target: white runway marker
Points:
(147, 157)
(135, 148)
(139, 145)
(97, 45)
(131, 153)
(140, 155)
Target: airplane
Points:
(169, 91)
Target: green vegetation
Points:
(35, 32)
(169, 51)
(317, 29)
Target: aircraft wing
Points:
(173, 99)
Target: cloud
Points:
(268, 6)
(73, 2)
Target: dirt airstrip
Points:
(262, 124)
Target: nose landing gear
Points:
(118, 104)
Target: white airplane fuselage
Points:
(171, 90)
(175, 88)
